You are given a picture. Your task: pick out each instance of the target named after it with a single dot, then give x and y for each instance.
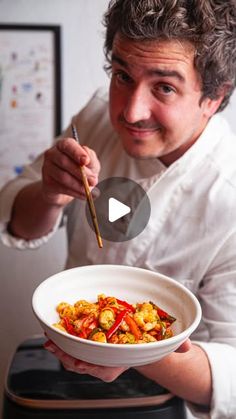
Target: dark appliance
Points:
(38, 387)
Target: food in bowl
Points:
(111, 320)
(129, 284)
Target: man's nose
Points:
(138, 106)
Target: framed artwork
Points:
(30, 94)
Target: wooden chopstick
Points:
(88, 194)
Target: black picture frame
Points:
(55, 31)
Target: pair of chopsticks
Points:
(88, 194)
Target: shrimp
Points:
(99, 336)
(126, 338)
(147, 338)
(66, 310)
(84, 307)
(106, 318)
(146, 316)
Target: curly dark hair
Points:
(210, 25)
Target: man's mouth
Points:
(140, 129)
(141, 132)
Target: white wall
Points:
(82, 73)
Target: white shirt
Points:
(191, 234)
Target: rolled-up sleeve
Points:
(223, 369)
(11, 241)
(31, 173)
(217, 295)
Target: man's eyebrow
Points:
(119, 60)
(151, 71)
(166, 73)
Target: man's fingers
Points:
(107, 374)
(80, 155)
(73, 150)
(185, 347)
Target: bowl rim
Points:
(128, 346)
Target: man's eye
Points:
(122, 77)
(165, 89)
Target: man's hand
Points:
(185, 373)
(61, 174)
(107, 374)
(60, 184)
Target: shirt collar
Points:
(207, 141)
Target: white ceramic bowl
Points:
(126, 283)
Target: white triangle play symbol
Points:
(116, 209)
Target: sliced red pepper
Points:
(128, 306)
(88, 324)
(82, 334)
(163, 314)
(102, 302)
(69, 327)
(93, 325)
(116, 324)
(133, 327)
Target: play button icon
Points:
(122, 207)
(116, 209)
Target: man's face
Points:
(155, 97)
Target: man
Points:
(173, 66)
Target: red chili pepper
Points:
(116, 324)
(69, 327)
(87, 325)
(92, 325)
(163, 314)
(82, 334)
(114, 309)
(128, 306)
(102, 302)
(89, 321)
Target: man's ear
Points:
(210, 106)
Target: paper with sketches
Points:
(27, 109)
